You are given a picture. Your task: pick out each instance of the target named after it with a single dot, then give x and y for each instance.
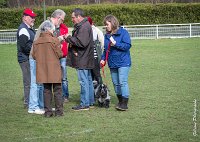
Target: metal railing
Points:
(135, 31)
(8, 36)
(164, 31)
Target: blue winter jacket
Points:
(119, 55)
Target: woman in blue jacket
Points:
(117, 46)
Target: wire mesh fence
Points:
(164, 31)
(135, 31)
(8, 36)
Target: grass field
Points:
(164, 83)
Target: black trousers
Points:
(96, 75)
(48, 95)
(25, 67)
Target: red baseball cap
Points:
(29, 12)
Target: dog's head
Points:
(102, 91)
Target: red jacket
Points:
(63, 31)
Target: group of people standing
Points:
(44, 56)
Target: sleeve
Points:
(125, 42)
(24, 41)
(57, 49)
(33, 52)
(81, 40)
(100, 37)
(103, 57)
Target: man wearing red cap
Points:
(25, 37)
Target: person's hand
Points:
(113, 42)
(102, 63)
(61, 38)
(65, 36)
(75, 53)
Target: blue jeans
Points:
(87, 89)
(36, 99)
(120, 80)
(65, 91)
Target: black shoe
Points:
(48, 115)
(59, 115)
(120, 101)
(79, 108)
(123, 106)
(65, 99)
(25, 106)
(92, 106)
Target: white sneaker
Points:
(66, 100)
(39, 111)
(31, 111)
(42, 110)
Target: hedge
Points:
(128, 14)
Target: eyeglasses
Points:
(32, 17)
(62, 20)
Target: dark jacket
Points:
(81, 50)
(25, 37)
(47, 52)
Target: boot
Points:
(120, 101)
(123, 106)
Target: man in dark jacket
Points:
(25, 37)
(81, 57)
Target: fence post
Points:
(190, 30)
(156, 31)
(44, 7)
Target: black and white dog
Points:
(101, 94)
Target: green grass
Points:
(164, 81)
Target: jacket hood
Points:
(46, 34)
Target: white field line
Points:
(62, 135)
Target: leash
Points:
(102, 66)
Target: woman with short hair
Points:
(47, 52)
